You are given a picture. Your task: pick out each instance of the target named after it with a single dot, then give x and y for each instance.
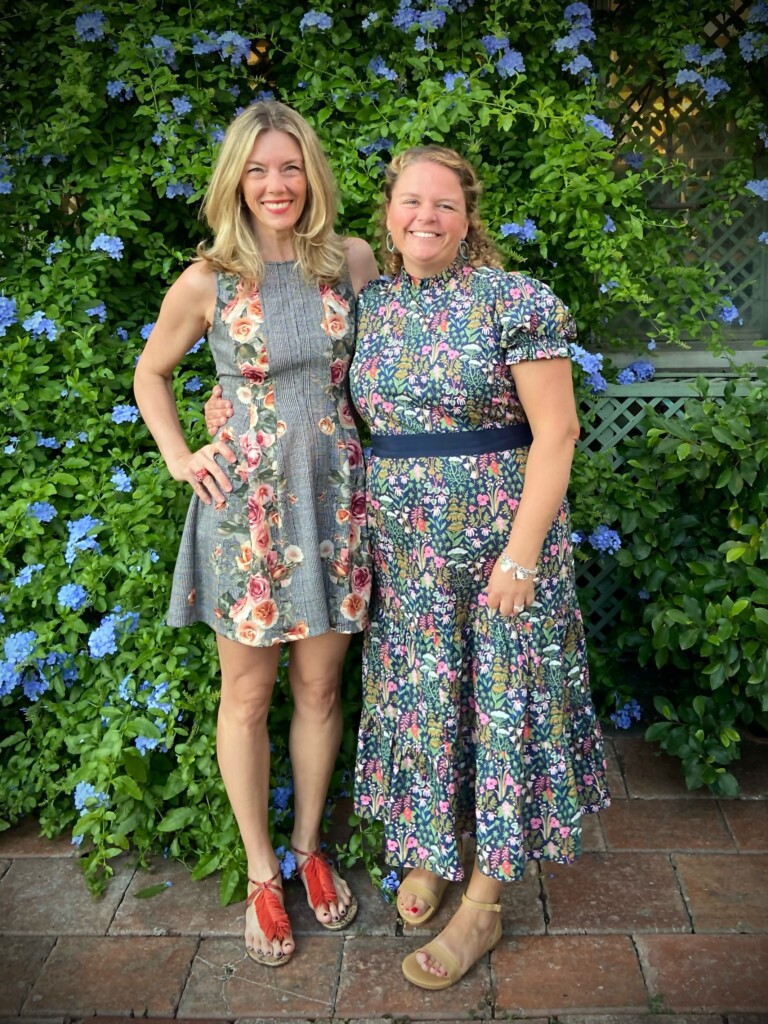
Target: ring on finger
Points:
(518, 607)
(201, 474)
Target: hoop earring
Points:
(464, 250)
(389, 242)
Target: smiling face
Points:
(274, 185)
(427, 216)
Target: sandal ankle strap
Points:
(262, 886)
(477, 905)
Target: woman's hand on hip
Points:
(217, 410)
(508, 595)
(204, 475)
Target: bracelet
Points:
(521, 573)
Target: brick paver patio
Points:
(663, 921)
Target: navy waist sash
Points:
(461, 442)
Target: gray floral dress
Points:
(286, 556)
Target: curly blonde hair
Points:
(482, 251)
(235, 249)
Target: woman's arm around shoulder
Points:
(362, 263)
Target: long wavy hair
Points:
(482, 251)
(235, 248)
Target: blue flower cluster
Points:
(120, 90)
(598, 124)
(287, 861)
(125, 414)
(7, 314)
(633, 160)
(181, 105)
(603, 539)
(510, 62)
(525, 232)
(609, 227)
(763, 238)
(90, 27)
(711, 85)
(18, 648)
(165, 47)
(728, 313)
(42, 511)
(370, 19)
(46, 442)
(146, 330)
(760, 188)
(608, 286)
(23, 577)
(280, 796)
(99, 311)
(753, 46)
(640, 370)
(13, 443)
(315, 19)
(229, 45)
(79, 540)
(578, 17)
(623, 716)
(592, 364)
(193, 384)
(389, 886)
(121, 480)
(84, 792)
(38, 324)
(450, 78)
(377, 146)
(53, 250)
(112, 245)
(103, 640)
(72, 596)
(377, 66)
(179, 188)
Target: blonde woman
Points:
(274, 548)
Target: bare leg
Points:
(314, 670)
(469, 932)
(242, 744)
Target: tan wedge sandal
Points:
(432, 897)
(416, 974)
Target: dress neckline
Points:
(456, 270)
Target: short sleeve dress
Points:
(286, 557)
(472, 723)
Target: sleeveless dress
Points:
(472, 723)
(286, 556)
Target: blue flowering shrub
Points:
(107, 716)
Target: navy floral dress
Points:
(472, 723)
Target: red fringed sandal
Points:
(272, 919)
(320, 888)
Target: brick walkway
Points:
(666, 913)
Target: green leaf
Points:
(176, 819)
(151, 890)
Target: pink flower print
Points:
(354, 453)
(256, 514)
(251, 449)
(553, 549)
(361, 582)
(422, 853)
(258, 588)
(564, 831)
(439, 561)
(265, 614)
(243, 329)
(338, 370)
(411, 842)
(238, 612)
(490, 783)
(255, 374)
(536, 823)
(260, 539)
(264, 492)
(345, 414)
(392, 845)
(357, 506)
(444, 806)
(264, 439)
(484, 719)
(254, 308)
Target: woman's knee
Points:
(316, 695)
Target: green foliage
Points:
(692, 509)
(107, 144)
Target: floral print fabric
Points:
(286, 556)
(472, 723)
